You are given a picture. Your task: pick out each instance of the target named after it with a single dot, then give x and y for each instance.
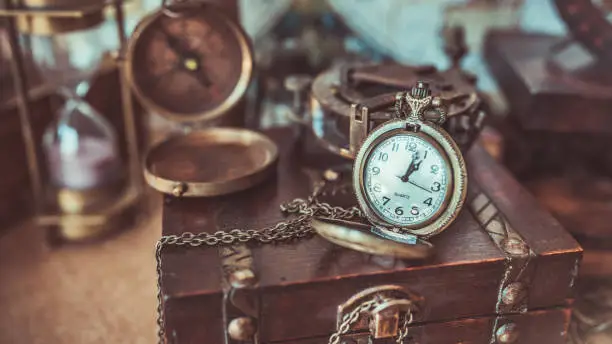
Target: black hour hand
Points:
(414, 166)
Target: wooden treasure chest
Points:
(502, 273)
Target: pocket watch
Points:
(409, 178)
(409, 175)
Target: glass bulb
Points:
(81, 148)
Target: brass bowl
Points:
(210, 162)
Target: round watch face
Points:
(407, 180)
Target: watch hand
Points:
(420, 187)
(415, 164)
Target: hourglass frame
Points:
(85, 225)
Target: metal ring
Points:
(358, 236)
(219, 183)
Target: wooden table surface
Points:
(95, 293)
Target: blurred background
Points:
(78, 225)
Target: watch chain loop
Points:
(400, 105)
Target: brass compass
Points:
(334, 91)
(189, 62)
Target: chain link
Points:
(350, 319)
(399, 105)
(295, 228)
(408, 319)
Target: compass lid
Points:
(210, 162)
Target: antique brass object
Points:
(422, 201)
(335, 92)
(359, 237)
(242, 329)
(336, 89)
(507, 333)
(385, 321)
(513, 293)
(72, 201)
(56, 16)
(189, 62)
(210, 162)
(90, 225)
(386, 310)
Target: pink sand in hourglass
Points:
(94, 164)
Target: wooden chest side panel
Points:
(553, 279)
(180, 279)
(194, 320)
(558, 254)
(316, 259)
(539, 327)
(542, 232)
(310, 309)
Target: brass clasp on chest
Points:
(385, 311)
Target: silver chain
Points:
(295, 228)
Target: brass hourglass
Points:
(89, 184)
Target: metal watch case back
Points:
(365, 238)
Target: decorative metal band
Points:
(513, 289)
(240, 302)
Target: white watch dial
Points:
(406, 180)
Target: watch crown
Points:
(421, 90)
